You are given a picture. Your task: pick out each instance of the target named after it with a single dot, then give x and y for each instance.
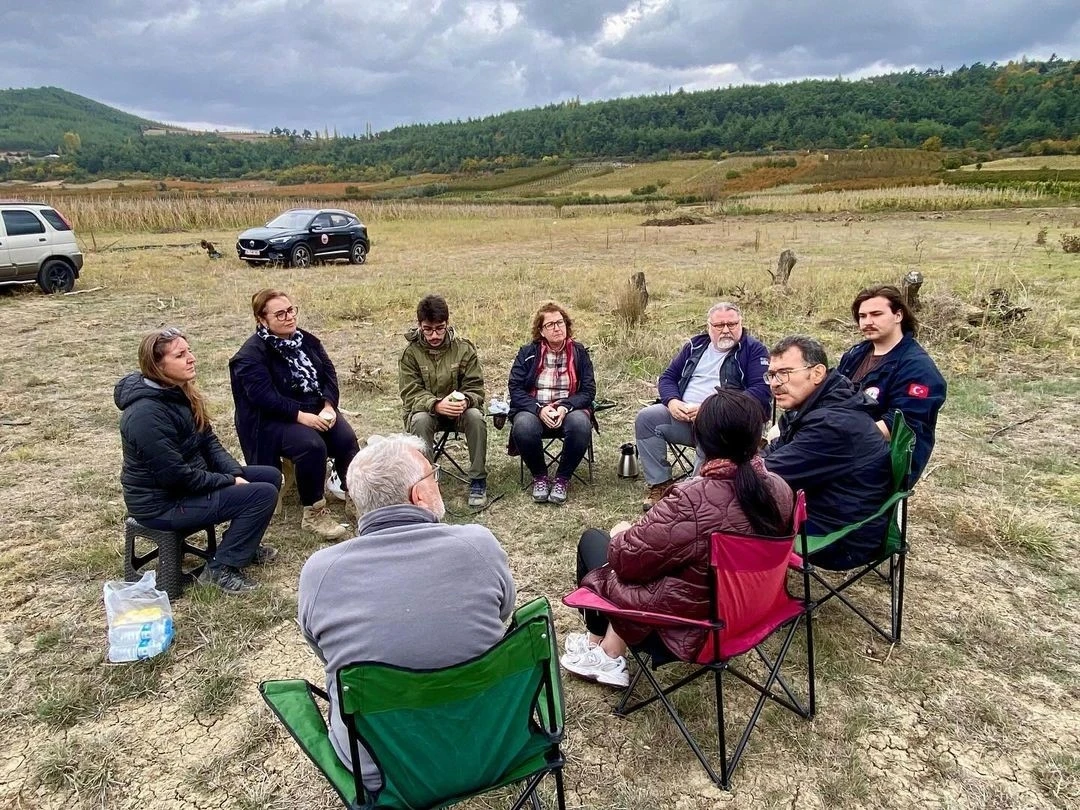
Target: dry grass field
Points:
(978, 708)
(1031, 162)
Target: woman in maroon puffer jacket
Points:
(662, 562)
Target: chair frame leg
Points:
(439, 451)
(765, 693)
(896, 595)
(680, 461)
(528, 792)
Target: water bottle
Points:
(134, 642)
(125, 634)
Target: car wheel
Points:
(300, 256)
(56, 277)
(358, 254)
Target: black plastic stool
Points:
(170, 548)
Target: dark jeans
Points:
(592, 554)
(249, 506)
(308, 450)
(528, 433)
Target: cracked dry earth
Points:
(916, 726)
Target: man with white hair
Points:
(724, 356)
(407, 590)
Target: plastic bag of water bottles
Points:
(140, 619)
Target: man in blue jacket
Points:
(725, 356)
(829, 447)
(894, 370)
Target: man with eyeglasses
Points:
(408, 590)
(725, 356)
(442, 387)
(893, 369)
(829, 447)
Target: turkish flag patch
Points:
(918, 390)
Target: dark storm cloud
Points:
(345, 65)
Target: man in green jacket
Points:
(442, 388)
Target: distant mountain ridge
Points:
(1020, 106)
(35, 120)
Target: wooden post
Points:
(784, 266)
(909, 289)
(637, 281)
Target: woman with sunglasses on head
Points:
(176, 474)
(285, 390)
(552, 389)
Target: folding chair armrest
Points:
(530, 610)
(587, 599)
(815, 543)
(551, 714)
(293, 701)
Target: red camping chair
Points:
(748, 602)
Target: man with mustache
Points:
(893, 369)
(725, 356)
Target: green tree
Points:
(71, 143)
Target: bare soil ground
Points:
(979, 707)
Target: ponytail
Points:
(728, 426)
(758, 503)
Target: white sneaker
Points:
(577, 644)
(597, 665)
(333, 486)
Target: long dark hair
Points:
(728, 426)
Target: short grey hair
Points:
(812, 351)
(384, 471)
(724, 306)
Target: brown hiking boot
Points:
(318, 520)
(655, 493)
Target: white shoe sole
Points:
(618, 680)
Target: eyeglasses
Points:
(781, 375)
(285, 314)
(433, 330)
(720, 327)
(551, 326)
(435, 471)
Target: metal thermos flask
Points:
(628, 461)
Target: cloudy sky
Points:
(350, 64)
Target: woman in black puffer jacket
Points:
(176, 474)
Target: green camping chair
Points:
(441, 736)
(894, 545)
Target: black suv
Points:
(301, 236)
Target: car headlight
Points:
(279, 240)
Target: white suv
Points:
(37, 244)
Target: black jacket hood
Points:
(134, 386)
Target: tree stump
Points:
(996, 308)
(784, 266)
(637, 281)
(909, 289)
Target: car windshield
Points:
(291, 220)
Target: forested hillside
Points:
(1033, 106)
(36, 120)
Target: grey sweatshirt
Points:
(408, 591)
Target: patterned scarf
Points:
(305, 378)
(725, 468)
